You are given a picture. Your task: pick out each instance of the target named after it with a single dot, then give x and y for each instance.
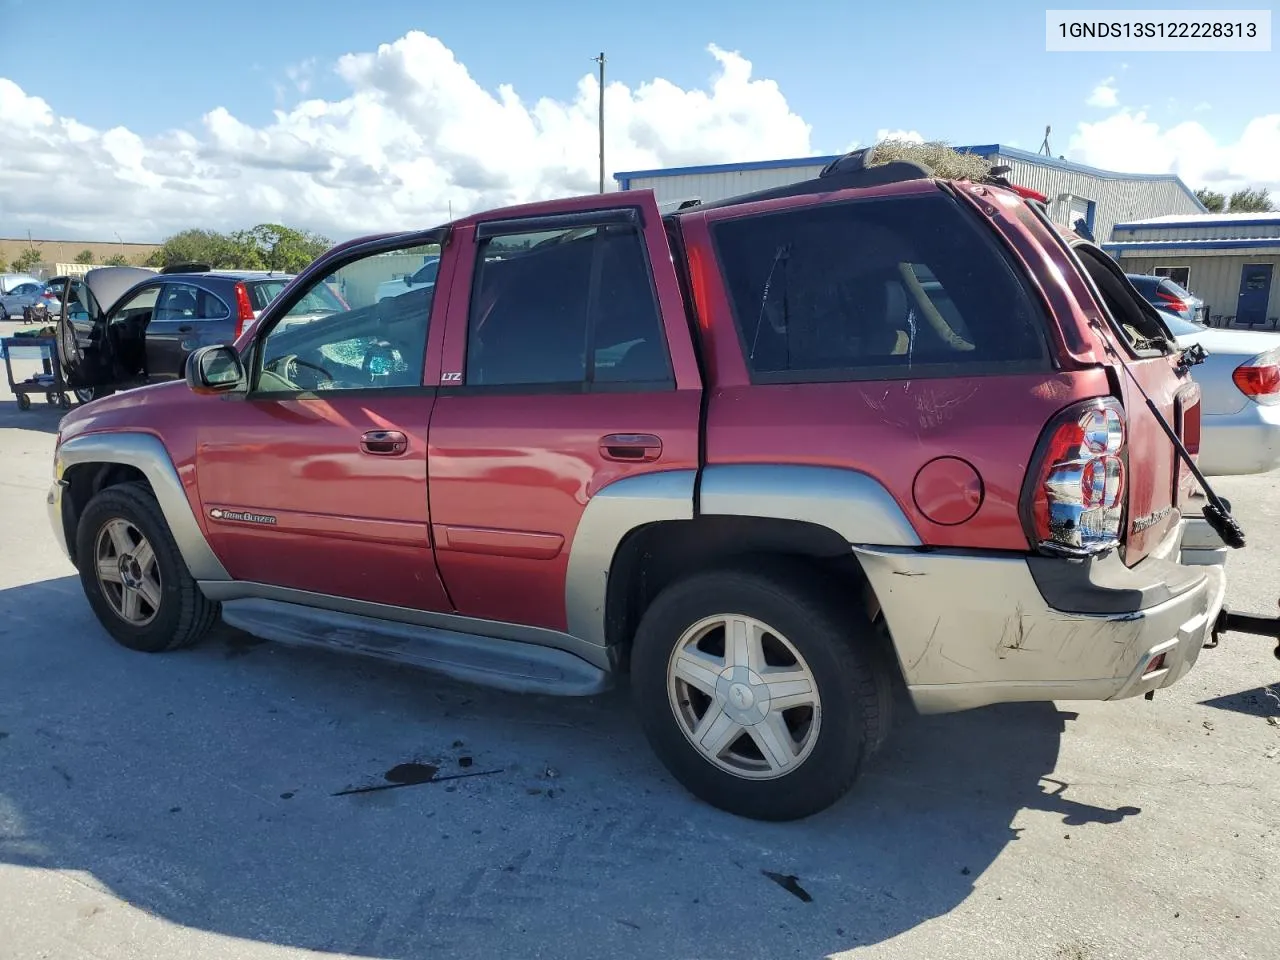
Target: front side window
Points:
(337, 335)
(873, 289)
(573, 307)
(137, 307)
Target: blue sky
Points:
(147, 122)
(964, 72)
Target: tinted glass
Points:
(339, 336)
(26, 289)
(139, 304)
(863, 289)
(427, 274)
(1168, 286)
(1145, 285)
(565, 307)
(185, 301)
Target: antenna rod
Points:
(600, 60)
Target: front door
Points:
(568, 365)
(317, 480)
(1255, 293)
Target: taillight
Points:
(1176, 304)
(1259, 379)
(244, 309)
(1074, 498)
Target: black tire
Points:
(24, 402)
(85, 395)
(838, 647)
(184, 614)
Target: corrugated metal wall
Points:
(1117, 200)
(1212, 230)
(709, 187)
(1215, 280)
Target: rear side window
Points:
(875, 289)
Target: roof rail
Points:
(844, 173)
(187, 268)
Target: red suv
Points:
(771, 457)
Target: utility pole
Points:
(1044, 147)
(600, 60)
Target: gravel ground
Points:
(185, 805)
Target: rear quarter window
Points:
(876, 289)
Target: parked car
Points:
(123, 327)
(740, 452)
(1240, 385)
(424, 276)
(1163, 294)
(10, 280)
(24, 295)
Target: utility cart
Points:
(49, 381)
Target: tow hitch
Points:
(1230, 622)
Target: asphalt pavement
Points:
(214, 803)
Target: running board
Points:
(488, 661)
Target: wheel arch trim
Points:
(851, 504)
(148, 454)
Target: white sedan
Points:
(1240, 390)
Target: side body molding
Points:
(852, 504)
(610, 515)
(148, 454)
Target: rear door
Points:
(568, 366)
(1157, 482)
(185, 318)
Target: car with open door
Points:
(124, 327)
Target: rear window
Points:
(320, 299)
(875, 289)
(1168, 286)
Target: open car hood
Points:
(109, 284)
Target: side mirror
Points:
(215, 369)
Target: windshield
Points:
(319, 299)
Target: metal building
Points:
(1228, 260)
(1101, 198)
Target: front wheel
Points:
(134, 576)
(758, 690)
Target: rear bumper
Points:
(1244, 442)
(974, 628)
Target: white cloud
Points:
(911, 136)
(1104, 95)
(413, 134)
(1129, 141)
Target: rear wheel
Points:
(134, 576)
(758, 690)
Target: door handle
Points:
(631, 447)
(186, 328)
(384, 443)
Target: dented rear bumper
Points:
(975, 628)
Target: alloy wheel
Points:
(127, 572)
(744, 696)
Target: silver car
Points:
(28, 294)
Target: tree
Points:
(1251, 200)
(273, 246)
(116, 260)
(84, 256)
(1213, 201)
(26, 260)
(268, 246)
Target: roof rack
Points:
(844, 173)
(187, 268)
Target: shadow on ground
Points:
(42, 416)
(201, 786)
(1261, 702)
